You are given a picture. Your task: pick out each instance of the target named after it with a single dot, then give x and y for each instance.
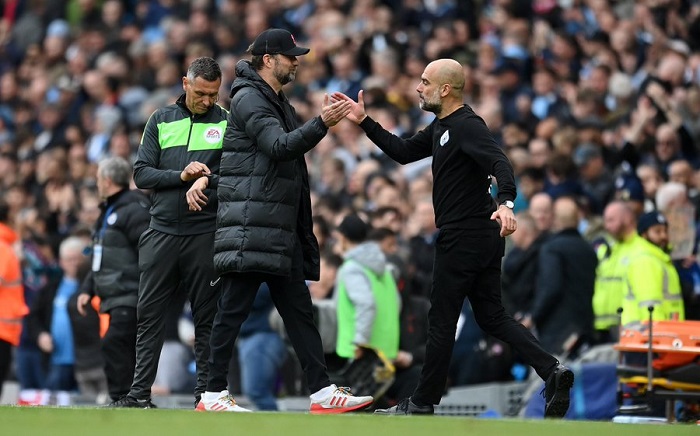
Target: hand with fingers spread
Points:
(357, 109)
(196, 199)
(333, 112)
(194, 170)
(506, 219)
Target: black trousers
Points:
(293, 302)
(171, 264)
(5, 360)
(119, 351)
(468, 264)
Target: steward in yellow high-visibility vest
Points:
(651, 279)
(613, 259)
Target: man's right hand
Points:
(333, 112)
(194, 170)
(357, 109)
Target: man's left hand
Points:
(196, 199)
(506, 219)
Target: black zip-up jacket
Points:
(465, 156)
(118, 232)
(173, 138)
(264, 196)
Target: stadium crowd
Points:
(595, 102)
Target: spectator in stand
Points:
(39, 269)
(651, 178)
(542, 212)
(520, 265)
(597, 181)
(422, 248)
(565, 280)
(89, 362)
(49, 323)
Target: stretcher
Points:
(660, 363)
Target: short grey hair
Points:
(116, 169)
(72, 244)
(206, 68)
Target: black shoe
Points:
(132, 403)
(406, 407)
(556, 392)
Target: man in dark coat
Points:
(114, 272)
(562, 310)
(264, 230)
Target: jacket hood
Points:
(247, 76)
(369, 255)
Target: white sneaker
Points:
(340, 400)
(223, 402)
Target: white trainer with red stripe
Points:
(339, 400)
(219, 402)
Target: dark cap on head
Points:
(629, 188)
(277, 41)
(353, 228)
(585, 152)
(650, 219)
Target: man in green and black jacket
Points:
(178, 160)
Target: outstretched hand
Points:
(357, 109)
(333, 111)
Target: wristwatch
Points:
(509, 204)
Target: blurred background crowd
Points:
(595, 100)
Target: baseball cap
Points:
(277, 41)
(584, 153)
(629, 188)
(650, 219)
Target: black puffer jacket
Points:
(264, 200)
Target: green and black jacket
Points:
(174, 137)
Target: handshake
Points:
(338, 106)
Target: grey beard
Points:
(431, 107)
(285, 78)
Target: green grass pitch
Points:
(30, 421)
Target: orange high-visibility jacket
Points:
(12, 305)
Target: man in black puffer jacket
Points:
(264, 230)
(114, 276)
